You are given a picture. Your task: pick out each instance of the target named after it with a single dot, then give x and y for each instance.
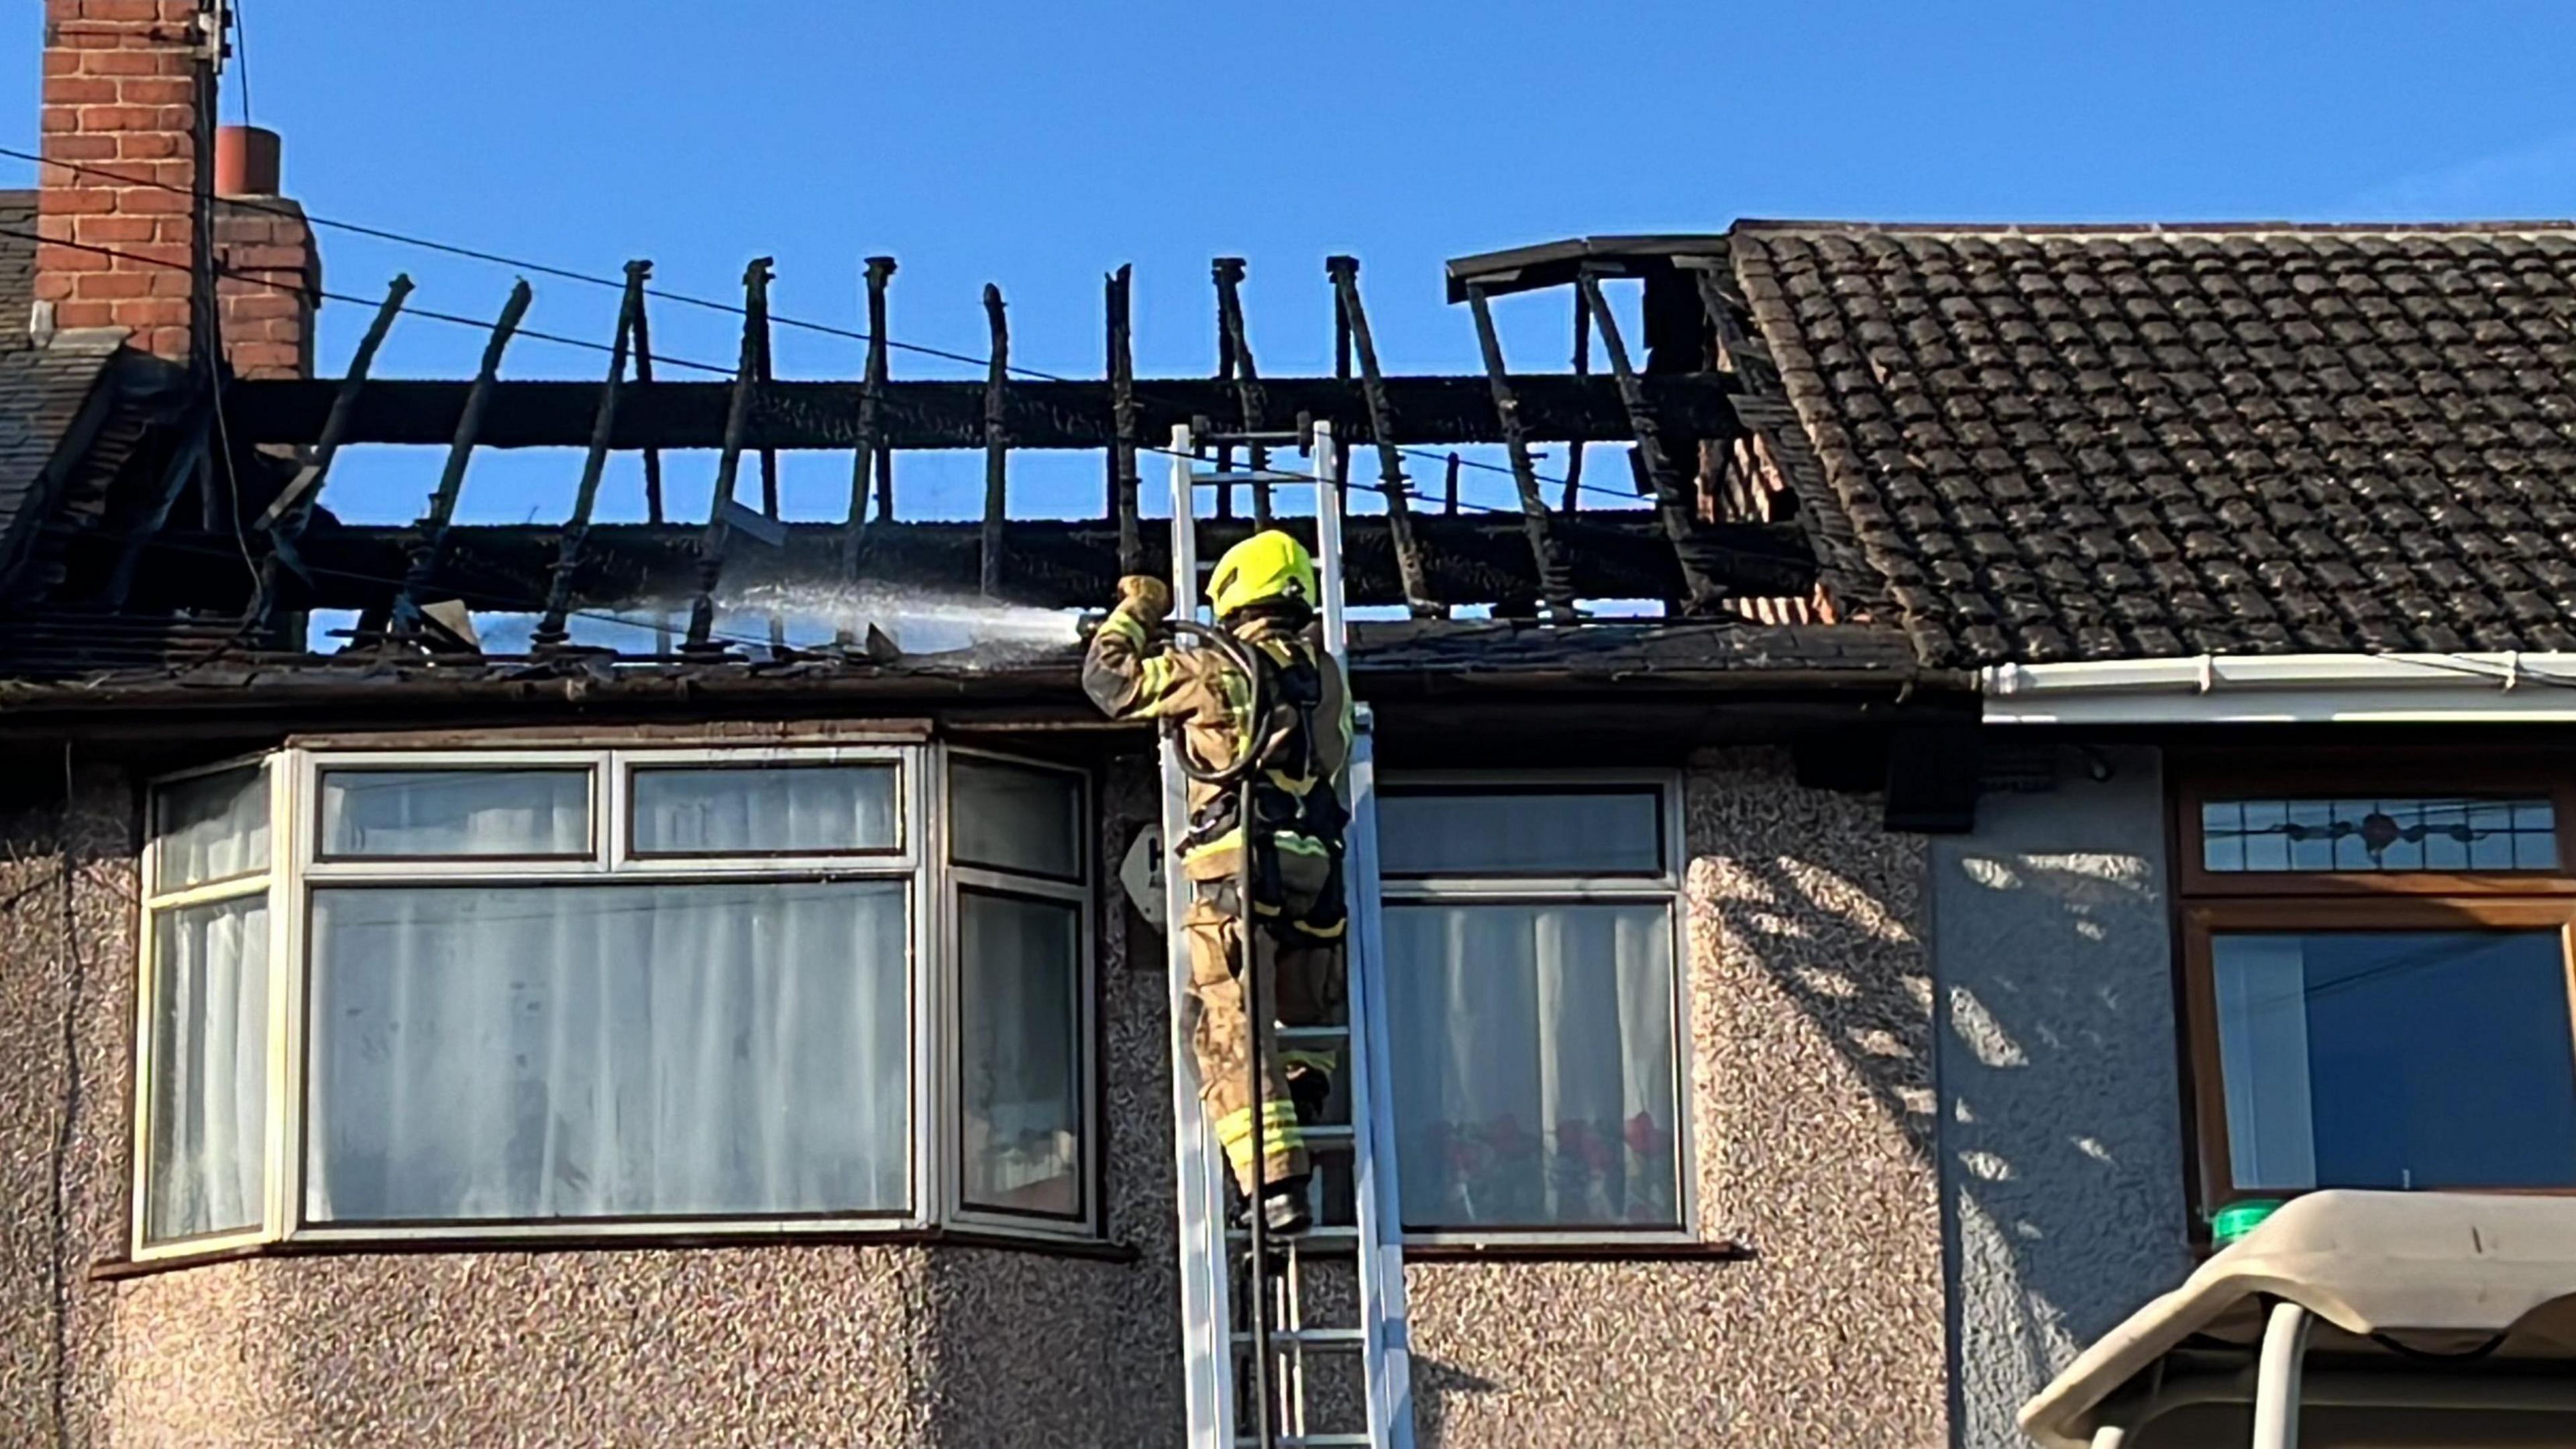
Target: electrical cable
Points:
(477, 323)
(1574, 521)
(1570, 520)
(241, 52)
(708, 304)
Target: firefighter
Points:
(1264, 594)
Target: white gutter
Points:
(2287, 689)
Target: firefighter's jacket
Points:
(1304, 741)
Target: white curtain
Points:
(209, 1069)
(608, 1050)
(455, 812)
(1019, 972)
(2262, 990)
(803, 808)
(212, 826)
(1535, 1085)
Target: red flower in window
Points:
(1644, 1137)
(1576, 1140)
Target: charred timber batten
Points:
(1555, 584)
(421, 572)
(950, 414)
(284, 522)
(1351, 334)
(551, 632)
(1234, 346)
(871, 464)
(1652, 457)
(1123, 482)
(714, 542)
(997, 445)
(1055, 563)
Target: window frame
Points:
(298, 869)
(956, 880)
(1667, 887)
(153, 904)
(2211, 903)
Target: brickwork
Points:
(123, 82)
(270, 283)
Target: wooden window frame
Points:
(2209, 903)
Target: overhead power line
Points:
(685, 299)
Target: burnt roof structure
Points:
(1971, 445)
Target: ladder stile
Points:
(1387, 1348)
(1206, 1321)
(1212, 1250)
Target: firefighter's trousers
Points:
(1303, 983)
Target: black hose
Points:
(1239, 654)
(1236, 774)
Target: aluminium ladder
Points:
(1319, 1354)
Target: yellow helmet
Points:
(1268, 566)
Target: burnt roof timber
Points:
(1555, 264)
(950, 414)
(1621, 553)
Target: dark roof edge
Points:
(1553, 264)
(2159, 228)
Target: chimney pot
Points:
(246, 161)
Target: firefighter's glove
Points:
(1146, 597)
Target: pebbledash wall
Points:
(2061, 1131)
(1811, 1014)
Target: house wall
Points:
(1811, 1084)
(881, 1345)
(1811, 1101)
(2063, 1197)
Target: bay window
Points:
(614, 991)
(1533, 978)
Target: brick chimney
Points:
(129, 94)
(270, 278)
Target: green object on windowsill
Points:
(2239, 1218)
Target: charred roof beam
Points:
(1469, 557)
(945, 414)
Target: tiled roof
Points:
(2060, 444)
(42, 389)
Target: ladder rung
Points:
(1256, 435)
(1330, 1136)
(1295, 1034)
(1311, 1237)
(1312, 1337)
(1299, 1441)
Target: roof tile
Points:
(2153, 443)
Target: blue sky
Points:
(1039, 145)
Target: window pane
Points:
(608, 1050)
(1019, 993)
(1013, 818)
(2405, 1059)
(456, 812)
(2394, 834)
(209, 1088)
(1424, 833)
(1536, 1088)
(790, 810)
(213, 826)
